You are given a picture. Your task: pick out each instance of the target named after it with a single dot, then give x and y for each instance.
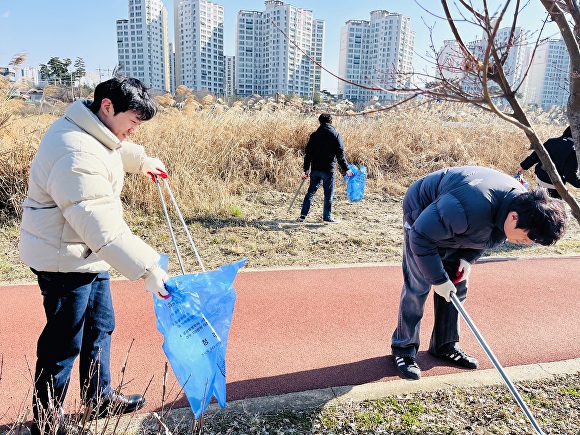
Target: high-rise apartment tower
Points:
(548, 81)
(143, 43)
(199, 45)
(377, 54)
(274, 49)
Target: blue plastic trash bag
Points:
(355, 185)
(195, 322)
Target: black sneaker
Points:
(408, 367)
(302, 218)
(457, 356)
(331, 220)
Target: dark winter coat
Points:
(324, 149)
(462, 208)
(563, 154)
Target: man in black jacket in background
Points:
(563, 154)
(323, 150)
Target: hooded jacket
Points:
(323, 149)
(461, 208)
(563, 154)
(72, 218)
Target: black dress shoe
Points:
(117, 404)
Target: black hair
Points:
(125, 93)
(567, 132)
(544, 217)
(325, 118)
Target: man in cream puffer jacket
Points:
(73, 230)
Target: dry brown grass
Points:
(214, 153)
(234, 171)
(214, 157)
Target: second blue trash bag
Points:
(195, 322)
(355, 185)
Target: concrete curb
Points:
(373, 391)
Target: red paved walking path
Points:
(303, 329)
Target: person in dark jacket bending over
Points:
(563, 154)
(450, 217)
(323, 150)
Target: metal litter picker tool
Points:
(156, 179)
(296, 194)
(457, 303)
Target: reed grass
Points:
(215, 153)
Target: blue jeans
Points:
(316, 179)
(79, 321)
(445, 334)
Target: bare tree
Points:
(485, 71)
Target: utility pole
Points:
(101, 72)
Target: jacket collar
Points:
(79, 114)
(326, 126)
(504, 208)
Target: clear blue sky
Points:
(86, 28)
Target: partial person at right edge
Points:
(563, 154)
(323, 150)
(449, 218)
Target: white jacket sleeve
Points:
(132, 156)
(81, 188)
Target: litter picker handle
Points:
(184, 225)
(296, 194)
(168, 222)
(156, 179)
(459, 306)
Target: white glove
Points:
(462, 271)
(155, 283)
(444, 290)
(153, 166)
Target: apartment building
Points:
(450, 61)
(29, 75)
(544, 84)
(143, 43)
(229, 76)
(199, 45)
(548, 82)
(273, 50)
(249, 53)
(317, 54)
(375, 53)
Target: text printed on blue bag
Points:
(194, 327)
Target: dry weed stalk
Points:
(78, 416)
